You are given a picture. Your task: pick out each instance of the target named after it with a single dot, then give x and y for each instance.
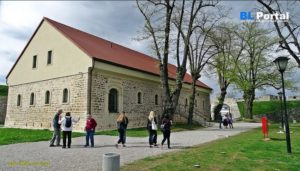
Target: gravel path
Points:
(38, 156)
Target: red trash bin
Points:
(265, 128)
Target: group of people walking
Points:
(165, 127)
(226, 120)
(65, 124)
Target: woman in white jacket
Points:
(66, 126)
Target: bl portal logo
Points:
(265, 17)
(246, 16)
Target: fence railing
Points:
(198, 116)
(183, 111)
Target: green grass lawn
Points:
(264, 107)
(142, 132)
(246, 151)
(15, 135)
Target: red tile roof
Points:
(113, 53)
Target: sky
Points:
(117, 21)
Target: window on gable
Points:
(49, 58)
(47, 97)
(186, 102)
(113, 101)
(156, 99)
(19, 100)
(139, 98)
(65, 95)
(34, 61)
(32, 99)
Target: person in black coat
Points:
(122, 122)
(166, 129)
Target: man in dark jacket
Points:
(56, 129)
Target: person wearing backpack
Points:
(66, 126)
(166, 128)
(56, 129)
(152, 129)
(225, 121)
(90, 128)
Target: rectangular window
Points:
(65, 96)
(49, 59)
(34, 61)
(19, 100)
(31, 99)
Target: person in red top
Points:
(90, 127)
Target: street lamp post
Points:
(280, 98)
(281, 63)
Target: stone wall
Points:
(3, 104)
(234, 109)
(40, 114)
(128, 89)
(232, 103)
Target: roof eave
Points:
(135, 69)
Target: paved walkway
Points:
(38, 156)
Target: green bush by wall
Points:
(3, 90)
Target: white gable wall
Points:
(67, 58)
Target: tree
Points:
(201, 51)
(229, 48)
(165, 35)
(288, 31)
(254, 69)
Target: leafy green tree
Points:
(254, 69)
(229, 49)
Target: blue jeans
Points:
(121, 135)
(124, 138)
(89, 135)
(152, 137)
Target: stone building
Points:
(293, 98)
(268, 97)
(230, 105)
(64, 68)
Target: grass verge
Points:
(142, 132)
(264, 107)
(16, 135)
(246, 151)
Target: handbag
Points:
(153, 126)
(162, 127)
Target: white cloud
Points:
(115, 21)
